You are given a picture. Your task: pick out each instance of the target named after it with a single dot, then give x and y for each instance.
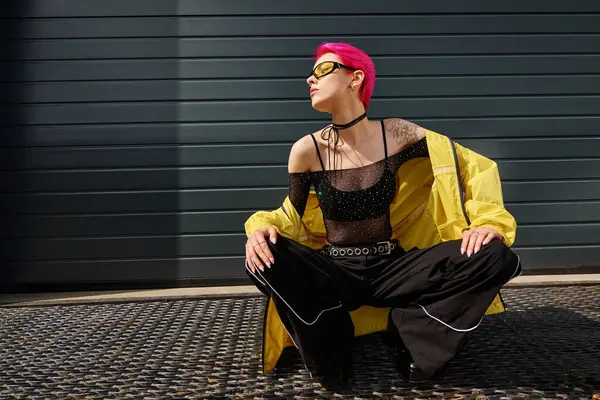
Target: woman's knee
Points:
(286, 249)
(507, 262)
(281, 244)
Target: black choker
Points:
(351, 123)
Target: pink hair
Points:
(356, 58)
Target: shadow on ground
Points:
(547, 352)
(546, 346)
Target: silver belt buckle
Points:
(387, 245)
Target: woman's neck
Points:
(355, 133)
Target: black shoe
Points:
(404, 362)
(407, 367)
(415, 374)
(336, 381)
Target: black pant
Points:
(437, 296)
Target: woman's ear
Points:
(357, 79)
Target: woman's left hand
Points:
(474, 238)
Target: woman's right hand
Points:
(257, 248)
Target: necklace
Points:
(334, 130)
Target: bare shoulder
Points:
(402, 133)
(302, 155)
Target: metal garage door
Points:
(144, 132)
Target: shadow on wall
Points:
(11, 122)
(44, 213)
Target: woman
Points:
(400, 218)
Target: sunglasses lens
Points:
(323, 69)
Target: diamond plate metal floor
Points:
(546, 347)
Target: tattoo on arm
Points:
(404, 132)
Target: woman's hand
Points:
(257, 249)
(474, 238)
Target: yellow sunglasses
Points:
(327, 67)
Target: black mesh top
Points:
(355, 201)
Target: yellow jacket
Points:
(432, 205)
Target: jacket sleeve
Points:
(483, 200)
(279, 219)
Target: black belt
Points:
(379, 248)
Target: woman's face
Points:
(332, 82)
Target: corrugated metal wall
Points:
(144, 132)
